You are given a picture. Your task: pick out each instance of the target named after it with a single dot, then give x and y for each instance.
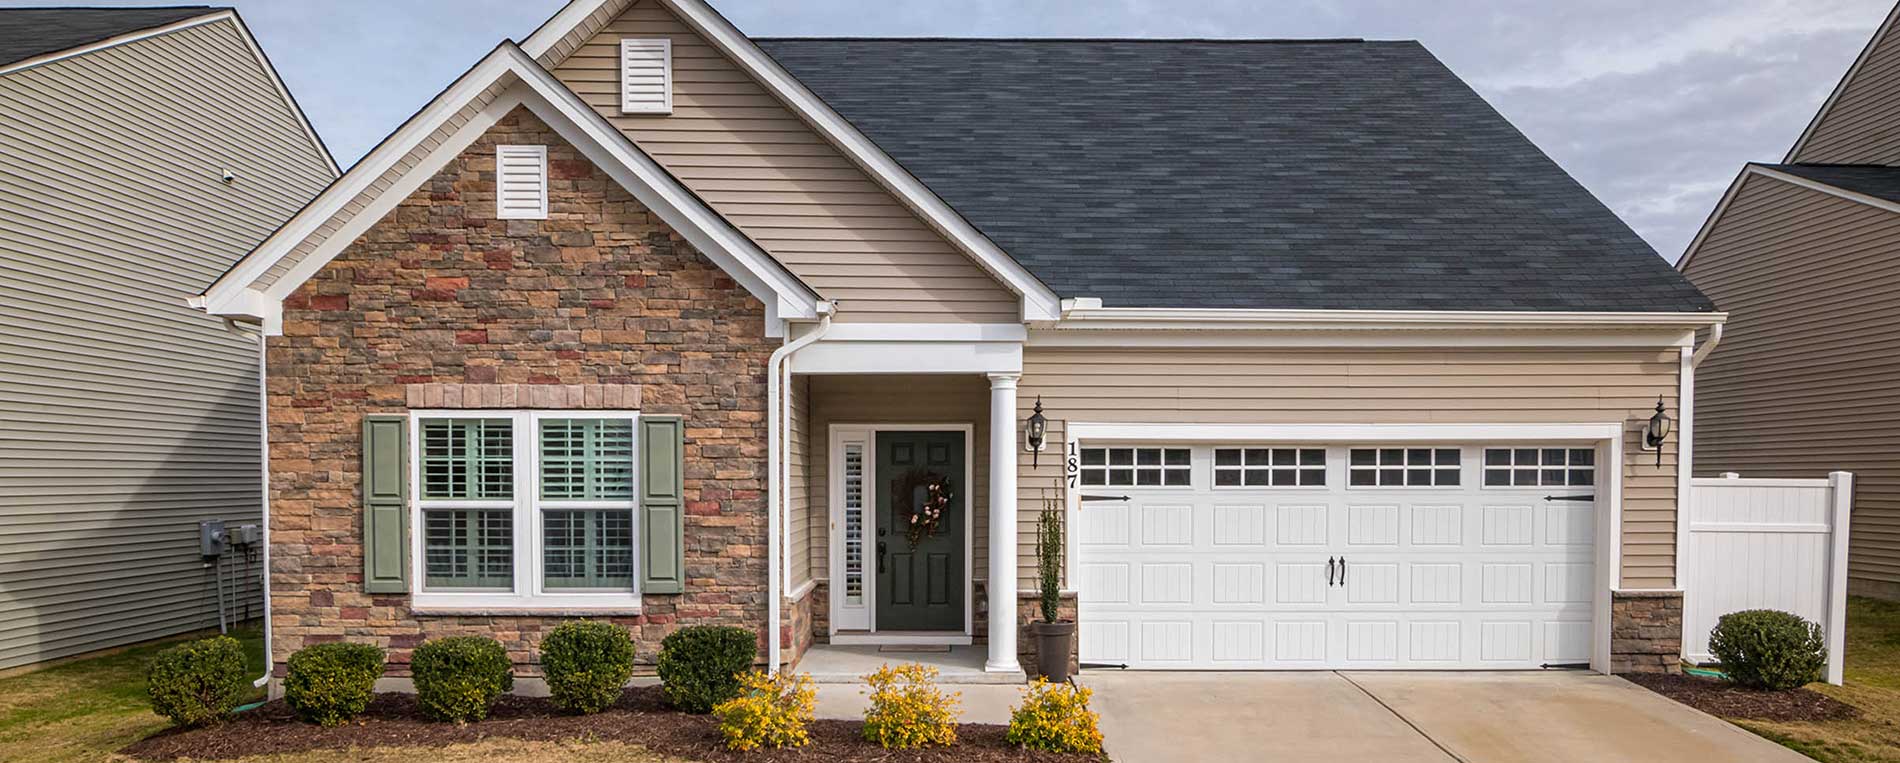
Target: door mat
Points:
(915, 648)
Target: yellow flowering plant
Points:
(1055, 718)
(770, 711)
(908, 709)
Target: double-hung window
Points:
(526, 509)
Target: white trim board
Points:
(1038, 301)
(211, 16)
(836, 435)
(1088, 313)
(785, 297)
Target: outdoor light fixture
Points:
(1036, 433)
(1656, 431)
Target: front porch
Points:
(861, 591)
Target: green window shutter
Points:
(385, 512)
(662, 504)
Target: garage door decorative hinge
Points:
(1585, 497)
(1087, 498)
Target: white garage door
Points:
(1344, 556)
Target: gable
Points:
(784, 185)
(1860, 121)
(1775, 241)
(505, 79)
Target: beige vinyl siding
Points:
(125, 416)
(797, 491)
(784, 186)
(881, 399)
(1807, 377)
(1366, 386)
(1862, 126)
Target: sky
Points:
(1652, 104)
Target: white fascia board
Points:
(1039, 303)
(926, 332)
(1414, 433)
(1835, 94)
(896, 348)
(1872, 201)
(1462, 338)
(786, 298)
(558, 25)
(212, 17)
(1143, 318)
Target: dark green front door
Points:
(920, 588)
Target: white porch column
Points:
(1002, 582)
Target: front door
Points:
(920, 574)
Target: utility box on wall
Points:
(211, 538)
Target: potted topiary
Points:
(1055, 637)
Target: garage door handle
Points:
(1342, 570)
(1329, 570)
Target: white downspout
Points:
(263, 463)
(1685, 455)
(778, 412)
(1701, 353)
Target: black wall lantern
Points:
(1035, 433)
(1656, 431)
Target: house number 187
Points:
(1072, 467)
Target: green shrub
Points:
(908, 710)
(197, 682)
(459, 677)
(700, 665)
(1768, 649)
(770, 711)
(587, 663)
(1055, 718)
(329, 684)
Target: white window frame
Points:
(540, 210)
(665, 46)
(528, 592)
(1215, 468)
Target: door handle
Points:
(1329, 571)
(880, 557)
(1342, 570)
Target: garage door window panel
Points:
(1539, 467)
(1403, 467)
(1269, 467)
(1137, 467)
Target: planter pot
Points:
(1054, 643)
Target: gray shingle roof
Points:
(1871, 179)
(29, 32)
(1247, 174)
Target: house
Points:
(647, 320)
(142, 152)
(1798, 252)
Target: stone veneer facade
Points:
(1646, 632)
(441, 292)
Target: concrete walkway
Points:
(1472, 717)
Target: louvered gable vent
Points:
(521, 182)
(646, 76)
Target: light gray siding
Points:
(125, 416)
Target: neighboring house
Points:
(1801, 254)
(142, 152)
(646, 320)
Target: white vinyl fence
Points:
(1767, 544)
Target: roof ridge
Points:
(117, 8)
(1163, 40)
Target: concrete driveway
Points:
(1552, 717)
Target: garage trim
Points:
(1607, 437)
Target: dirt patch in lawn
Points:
(640, 717)
(1723, 699)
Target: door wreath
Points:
(925, 519)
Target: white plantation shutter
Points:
(646, 76)
(521, 182)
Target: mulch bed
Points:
(640, 717)
(1723, 699)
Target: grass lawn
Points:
(497, 751)
(85, 710)
(1873, 685)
